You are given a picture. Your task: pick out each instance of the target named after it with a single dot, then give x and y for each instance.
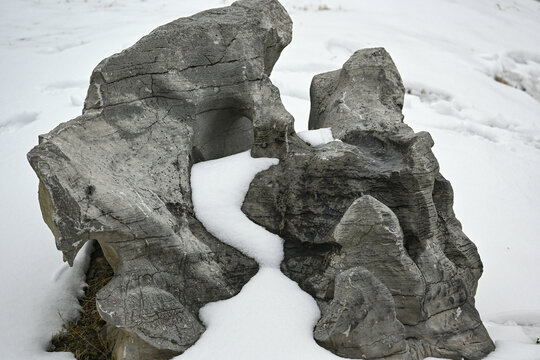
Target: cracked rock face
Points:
(368, 225)
(194, 89)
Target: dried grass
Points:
(85, 338)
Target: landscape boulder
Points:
(373, 200)
(192, 90)
(367, 219)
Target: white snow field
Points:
(465, 65)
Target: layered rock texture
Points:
(192, 90)
(368, 225)
(367, 221)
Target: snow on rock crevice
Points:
(219, 187)
(318, 137)
(271, 318)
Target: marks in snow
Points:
(427, 94)
(447, 113)
(518, 69)
(320, 7)
(18, 120)
(63, 46)
(55, 87)
(455, 116)
(75, 88)
(523, 318)
(48, 43)
(515, 334)
(340, 49)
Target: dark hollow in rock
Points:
(368, 223)
(373, 202)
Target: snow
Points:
(271, 318)
(449, 52)
(218, 205)
(270, 309)
(18, 120)
(316, 137)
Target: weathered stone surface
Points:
(360, 321)
(369, 235)
(375, 200)
(194, 89)
(368, 223)
(366, 95)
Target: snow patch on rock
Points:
(317, 137)
(271, 318)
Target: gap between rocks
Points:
(271, 318)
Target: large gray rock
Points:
(368, 223)
(194, 89)
(374, 200)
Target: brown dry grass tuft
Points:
(85, 337)
(501, 80)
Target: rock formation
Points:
(368, 225)
(367, 221)
(192, 90)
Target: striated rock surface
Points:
(367, 221)
(194, 89)
(360, 321)
(374, 202)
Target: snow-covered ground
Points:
(455, 57)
